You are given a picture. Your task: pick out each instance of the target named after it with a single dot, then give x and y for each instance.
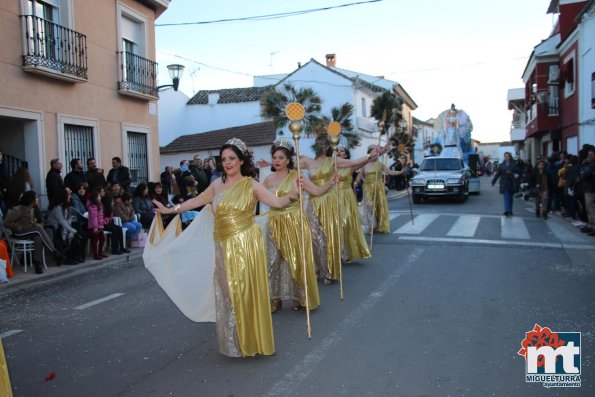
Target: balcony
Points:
(138, 76)
(53, 50)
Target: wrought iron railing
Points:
(13, 163)
(54, 47)
(137, 74)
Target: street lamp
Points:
(175, 72)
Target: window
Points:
(78, 143)
(554, 101)
(41, 30)
(138, 157)
(568, 74)
(593, 90)
(364, 108)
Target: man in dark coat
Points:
(94, 175)
(76, 176)
(54, 183)
(119, 174)
(200, 174)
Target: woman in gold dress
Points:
(321, 170)
(375, 201)
(354, 242)
(243, 313)
(284, 240)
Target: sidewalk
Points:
(22, 279)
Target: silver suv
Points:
(440, 177)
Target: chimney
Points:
(331, 60)
(213, 98)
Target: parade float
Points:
(454, 128)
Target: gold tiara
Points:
(238, 143)
(284, 144)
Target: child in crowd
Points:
(96, 225)
(124, 211)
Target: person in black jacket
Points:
(119, 174)
(54, 184)
(75, 176)
(508, 174)
(94, 175)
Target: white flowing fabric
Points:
(183, 266)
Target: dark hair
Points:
(347, 153)
(60, 198)
(53, 161)
(322, 145)
(119, 160)
(73, 163)
(126, 196)
(288, 153)
(78, 187)
(247, 168)
(28, 198)
(140, 189)
(89, 159)
(94, 197)
(107, 205)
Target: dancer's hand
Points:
(161, 208)
(335, 179)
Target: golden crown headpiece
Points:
(284, 144)
(238, 143)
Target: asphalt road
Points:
(440, 310)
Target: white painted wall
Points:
(172, 115)
(586, 45)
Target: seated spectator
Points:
(78, 199)
(156, 193)
(66, 237)
(116, 191)
(141, 202)
(23, 224)
(96, 223)
(125, 212)
(20, 183)
(117, 233)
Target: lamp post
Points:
(175, 72)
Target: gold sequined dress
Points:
(325, 209)
(284, 250)
(373, 176)
(354, 242)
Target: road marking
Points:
(98, 301)
(499, 242)
(393, 216)
(465, 226)
(420, 223)
(294, 378)
(511, 227)
(563, 234)
(11, 332)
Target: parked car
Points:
(440, 177)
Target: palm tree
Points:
(272, 107)
(342, 115)
(393, 106)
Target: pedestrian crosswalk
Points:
(486, 229)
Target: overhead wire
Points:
(269, 16)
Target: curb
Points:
(21, 280)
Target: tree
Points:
(272, 107)
(342, 115)
(393, 106)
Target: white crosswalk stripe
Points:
(513, 228)
(465, 226)
(420, 223)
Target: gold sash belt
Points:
(227, 225)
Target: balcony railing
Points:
(138, 76)
(53, 49)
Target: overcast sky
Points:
(466, 52)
